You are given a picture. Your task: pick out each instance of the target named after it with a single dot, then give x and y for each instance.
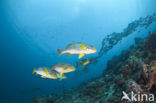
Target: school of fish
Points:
(57, 71)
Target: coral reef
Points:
(133, 70)
(152, 75)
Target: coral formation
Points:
(152, 75)
(133, 70)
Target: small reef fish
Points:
(78, 48)
(63, 68)
(45, 73)
(145, 68)
(83, 62)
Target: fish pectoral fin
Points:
(43, 76)
(64, 67)
(68, 54)
(82, 47)
(81, 55)
(61, 74)
(46, 71)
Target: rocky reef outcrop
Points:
(133, 70)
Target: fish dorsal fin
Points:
(54, 64)
(82, 47)
(62, 63)
(81, 55)
(46, 71)
(68, 54)
(79, 42)
(69, 46)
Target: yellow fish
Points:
(63, 68)
(83, 62)
(78, 48)
(45, 73)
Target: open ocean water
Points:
(31, 31)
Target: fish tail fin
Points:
(77, 64)
(34, 71)
(60, 51)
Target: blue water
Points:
(31, 31)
